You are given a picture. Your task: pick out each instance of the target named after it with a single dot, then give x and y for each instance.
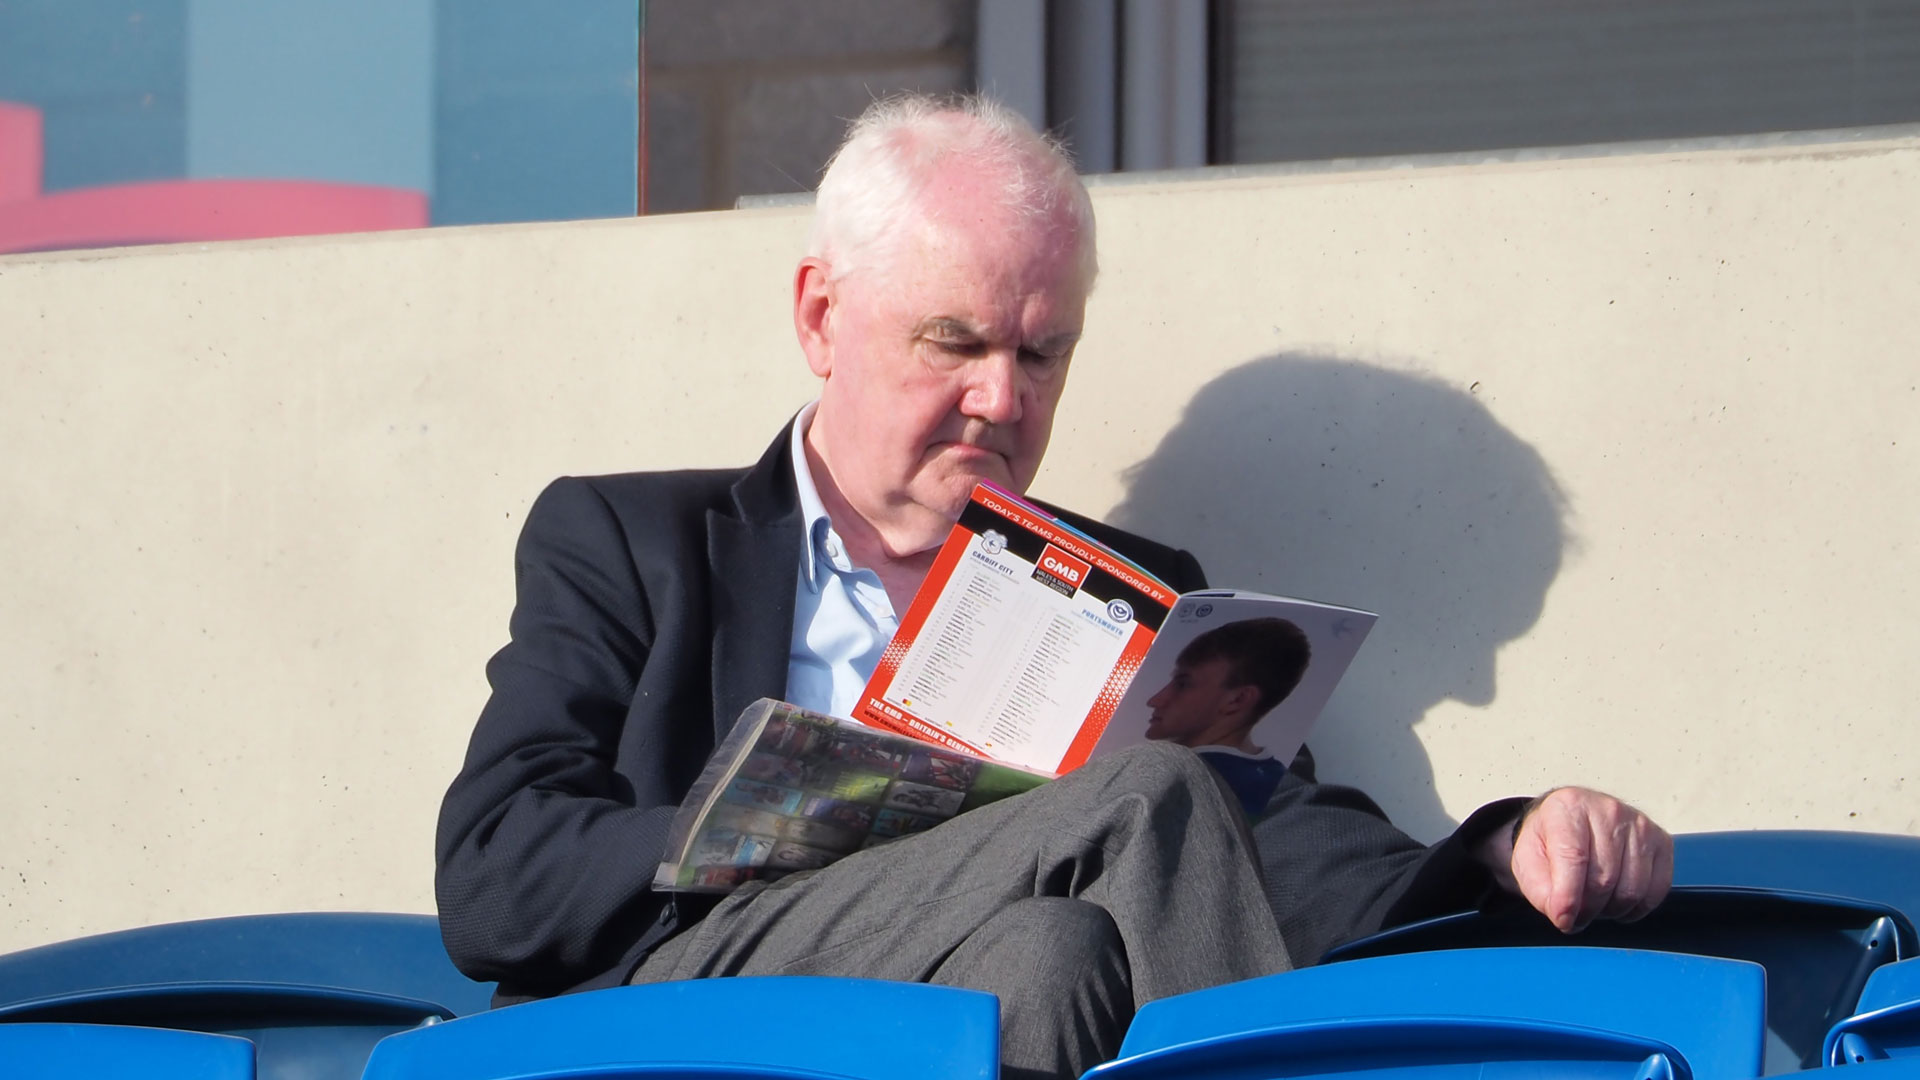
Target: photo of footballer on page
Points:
(1239, 679)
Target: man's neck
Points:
(900, 574)
(901, 577)
(1235, 733)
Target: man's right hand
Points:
(1580, 855)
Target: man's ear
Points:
(813, 314)
(1242, 699)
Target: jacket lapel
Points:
(754, 556)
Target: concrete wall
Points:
(1622, 448)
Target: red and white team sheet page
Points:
(1021, 642)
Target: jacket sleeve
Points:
(543, 858)
(1337, 869)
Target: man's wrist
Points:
(1486, 837)
(1496, 851)
(1520, 819)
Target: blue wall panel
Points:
(341, 91)
(109, 77)
(537, 110)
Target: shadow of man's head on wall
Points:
(1356, 484)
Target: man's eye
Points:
(1033, 358)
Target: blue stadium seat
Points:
(314, 991)
(1611, 1009)
(1887, 1022)
(1872, 867)
(1818, 950)
(1407, 1048)
(1883, 1069)
(738, 1028)
(102, 1052)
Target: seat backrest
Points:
(800, 1026)
(390, 954)
(1818, 951)
(1887, 1022)
(314, 992)
(1907, 1068)
(1891, 986)
(295, 1032)
(1711, 1011)
(1875, 867)
(1408, 1048)
(66, 1051)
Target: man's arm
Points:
(1337, 869)
(545, 853)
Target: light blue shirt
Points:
(842, 618)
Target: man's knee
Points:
(1048, 947)
(1060, 927)
(1164, 770)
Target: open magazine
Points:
(1030, 648)
(1032, 643)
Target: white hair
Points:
(899, 144)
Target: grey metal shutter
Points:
(1311, 79)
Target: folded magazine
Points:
(794, 790)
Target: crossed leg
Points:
(1129, 879)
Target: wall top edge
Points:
(1826, 139)
(1865, 139)
(1888, 136)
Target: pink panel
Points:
(21, 152)
(177, 211)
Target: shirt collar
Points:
(813, 512)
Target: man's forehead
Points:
(1004, 281)
(999, 234)
(959, 184)
(971, 203)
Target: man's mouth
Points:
(967, 451)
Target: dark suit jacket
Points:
(651, 609)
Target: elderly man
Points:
(940, 303)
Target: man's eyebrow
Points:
(945, 326)
(948, 326)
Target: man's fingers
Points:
(1635, 869)
(1607, 867)
(1660, 872)
(1531, 874)
(1582, 855)
(1568, 848)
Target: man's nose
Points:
(996, 388)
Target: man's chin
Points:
(973, 463)
(954, 486)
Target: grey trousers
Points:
(1129, 879)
